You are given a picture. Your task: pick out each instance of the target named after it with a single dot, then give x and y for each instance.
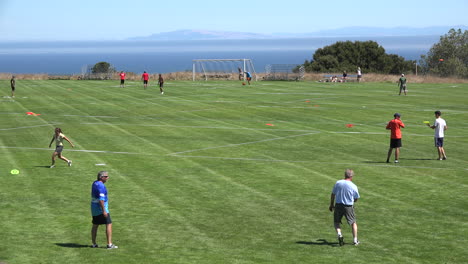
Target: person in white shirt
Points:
(439, 127)
(344, 194)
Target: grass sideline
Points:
(187, 76)
(196, 175)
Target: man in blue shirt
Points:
(100, 209)
(248, 77)
(346, 193)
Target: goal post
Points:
(222, 69)
(284, 72)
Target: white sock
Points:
(339, 234)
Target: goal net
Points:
(223, 69)
(284, 72)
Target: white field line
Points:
(93, 116)
(320, 162)
(211, 127)
(13, 128)
(78, 150)
(240, 144)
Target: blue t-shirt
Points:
(98, 192)
(248, 74)
(345, 192)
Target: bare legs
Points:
(441, 152)
(108, 233)
(354, 229)
(397, 154)
(60, 157)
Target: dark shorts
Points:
(59, 149)
(346, 211)
(439, 142)
(12, 88)
(122, 81)
(101, 220)
(395, 142)
(161, 84)
(403, 87)
(145, 81)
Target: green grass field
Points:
(197, 175)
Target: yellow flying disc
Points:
(14, 171)
(426, 122)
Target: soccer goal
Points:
(223, 69)
(284, 72)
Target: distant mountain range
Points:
(340, 32)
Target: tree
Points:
(448, 57)
(348, 55)
(102, 67)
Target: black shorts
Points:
(145, 81)
(161, 85)
(59, 149)
(346, 211)
(122, 81)
(395, 142)
(101, 220)
(12, 88)
(439, 142)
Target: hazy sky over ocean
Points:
(116, 20)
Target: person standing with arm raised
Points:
(439, 127)
(395, 126)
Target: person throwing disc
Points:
(58, 137)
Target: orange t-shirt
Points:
(394, 126)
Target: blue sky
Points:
(115, 20)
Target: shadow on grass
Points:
(43, 166)
(71, 245)
(417, 159)
(319, 242)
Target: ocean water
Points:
(172, 56)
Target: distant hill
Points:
(201, 35)
(340, 32)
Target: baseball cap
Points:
(396, 114)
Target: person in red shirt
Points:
(395, 136)
(122, 79)
(145, 77)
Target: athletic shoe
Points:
(69, 163)
(341, 240)
(52, 166)
(440, 159)
(162, 92)
(356, 243)
(388, 161)
(444, 158)
(94, 246)
(396, 161)
(112, 246)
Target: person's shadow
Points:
(71, 245)
(319, 242)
